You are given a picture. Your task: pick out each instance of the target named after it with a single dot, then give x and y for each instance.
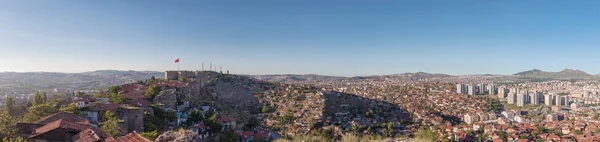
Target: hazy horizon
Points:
(338, 38)
(297, 74)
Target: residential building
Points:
(471, 90)
(512, 98)
(551, 117)
(535, 98)
(502, 92)
(460, 88)
(548, 99)
(482, 88)
(522, 99)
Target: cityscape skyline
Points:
(352, 38)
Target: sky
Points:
(334, 37)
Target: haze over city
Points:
(345, 38)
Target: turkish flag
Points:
(177, 61)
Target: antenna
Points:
(210, 66)
(202, 66)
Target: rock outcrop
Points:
(167, 98)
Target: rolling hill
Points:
(564, 74)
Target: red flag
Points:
(177, 61)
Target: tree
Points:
(8, 125)
(114, 89)
(558, 132)
(265, 108)
(150, 135)
(44, 97)
(39, 98)
(152, 92)
(116, 98)
(482, 137)
(10, 106)
(155, 121)
(183, 79)
(171, 115)
(427, 134)
(99, 94)
(195, 116)
(229, 137)
(39, 111)
(16, 139)
(79, 94)
(369, 113)
(253, 122)
(110, 125)
(503, 135)
(71, 108)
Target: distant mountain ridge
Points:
(27, 81)
(564, 74)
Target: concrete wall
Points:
(171, 75)
(134, 120)
(187, 74)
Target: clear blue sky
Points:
(342, 37)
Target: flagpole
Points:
(178, 64)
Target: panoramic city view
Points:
(299, 71)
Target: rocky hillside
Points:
(291, 108)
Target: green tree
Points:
(16, 139)
(114, 89)
(71, 108)
(150, 135)
(110, 125)
(503, 135)
(99, 94)
(39, 111)
(152, 92)
(183, 79)
(427, 134)
(8, 125)
(155, 121)
(228, 137)
(171, 115)
(369, 113)
(10, 106)
(39, 98)
(578, 132)
(265, 108)
(116, 98)
(253, 122)
(79, 94)
(195, 116)
(558, 132)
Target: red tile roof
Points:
(140, 102)
(225, 119)
(133, 91)
(109, 107)
(89, 135)
(201, 126)
(65, 116)
(131, 137)
(59, 124)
